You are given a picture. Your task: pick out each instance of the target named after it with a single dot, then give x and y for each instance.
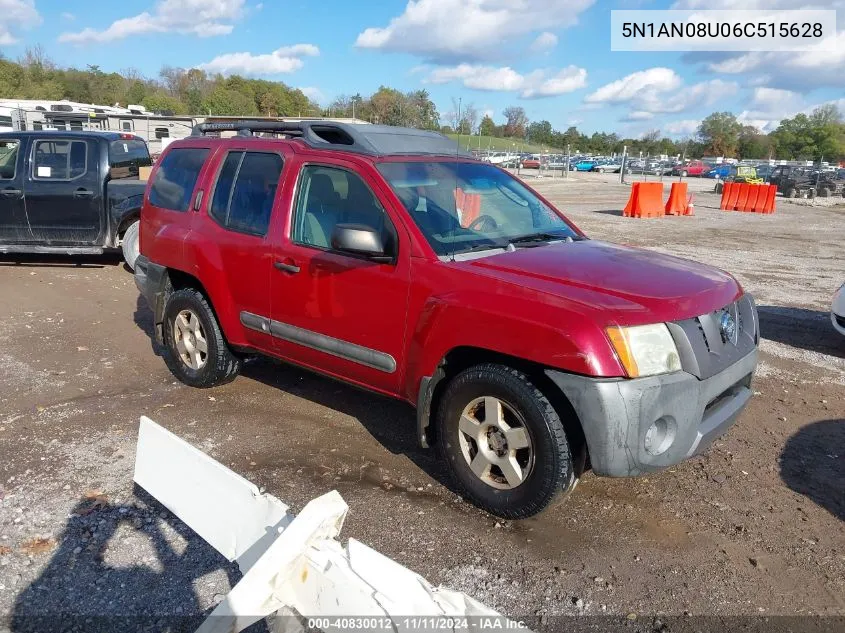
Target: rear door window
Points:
(59, 160)
(8, 158)
(245, 191)
(176, 178)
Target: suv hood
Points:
(636, 285)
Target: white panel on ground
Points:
(225, 509)
(291, 565)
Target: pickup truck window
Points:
(59, 160)
(8, 159)
(176, 178)
(463, 206)
(245, 190)
(129, 153)
(329, 196)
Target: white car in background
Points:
(837, 312)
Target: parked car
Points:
(691, 168)
(71, 192)
(794, 182)
(837, 311)
(530, 163)
(609, 167)
(722, 171)
(585, 164)
(526, 353)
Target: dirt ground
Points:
(754, 527)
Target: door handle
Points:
(11, 193)
(83, 193)
(288, 268)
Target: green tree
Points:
(227, 101)
(487, 127)
(720, 133)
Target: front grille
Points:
(706, 348)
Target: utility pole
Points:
(624, 160)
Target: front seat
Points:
(322, 211)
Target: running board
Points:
(52, 250)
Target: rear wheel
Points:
(718, 187)
(130, 244)
(684, 174)
(824, 192)
(791, 192)
(503, 441)
(194, 347)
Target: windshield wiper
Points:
(539, 238)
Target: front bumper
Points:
(636, 426)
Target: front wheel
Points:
(503, 441)
(130, 244)
(194, 347)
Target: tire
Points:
(791, 192)
(130, 244)
(545, 464)
(824, 192)
(218, 365)
(684, 174)
(718, 187)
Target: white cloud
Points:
(684, 127)
(656, 80)
(544, 42)
(203, 18)
(534, 85)
(659, 91)
(286, 59)
(638, 115)
(452, 30)
(70, 17)
(312, 93)
(17, 14)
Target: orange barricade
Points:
(733, 196)
(742, 199)
(753, 194)
(646, 200)
(726, 194)
(677, 203)
(469, 206)
(771, 195)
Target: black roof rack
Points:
(374, 140)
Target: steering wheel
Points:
(483, 223)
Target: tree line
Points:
(819, 135)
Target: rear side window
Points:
(59, 160)
(176, 178)
(245, 190)
(128, 152)
(8, 159)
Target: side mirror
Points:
(357, 239)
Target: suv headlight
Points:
(645, 350)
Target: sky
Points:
(551, 57)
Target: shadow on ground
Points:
(813, 464)
(801, 328)
(80, 590)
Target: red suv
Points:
(692, 168)
(384, 257)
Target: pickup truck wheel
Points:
(503, 441)
(130, 246)
(194, 347)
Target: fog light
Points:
(659, 436)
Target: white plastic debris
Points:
(291, 565)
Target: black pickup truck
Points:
(71, 192)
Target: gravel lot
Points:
(754, 527)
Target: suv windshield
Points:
(463, 206)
